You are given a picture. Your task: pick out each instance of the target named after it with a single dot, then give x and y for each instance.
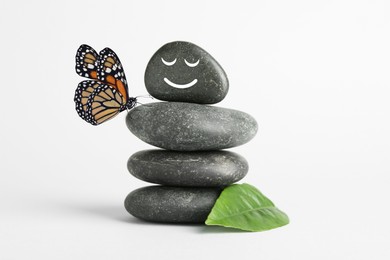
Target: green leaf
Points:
(244, 207)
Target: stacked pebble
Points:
(192, 170)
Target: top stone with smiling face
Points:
(183, 72)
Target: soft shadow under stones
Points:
(118, 213)
(199, 228)
(112, 212)
(195, 228)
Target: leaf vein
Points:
(245, 211)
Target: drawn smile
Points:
(188, 85)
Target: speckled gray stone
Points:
(174, 74)
(172, 204)
(191, 169)
(190, 127)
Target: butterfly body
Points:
(106, 94)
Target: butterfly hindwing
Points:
(111, 71)
(87, 62)
(103, 104)
(82, 94)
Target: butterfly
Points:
(106, 94)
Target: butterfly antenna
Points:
(139, 103)
(135, 104)
(145, 96)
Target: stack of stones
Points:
(191, 169)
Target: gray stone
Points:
(190, 127)
(182, 71)
(191, 169)
(172, 204)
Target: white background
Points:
(314, 74)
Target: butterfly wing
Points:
(87, 62)
(104, 97)
(82, 94)
(103, 104)
(111, 72)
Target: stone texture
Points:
(191, 169)
(185, 80)
(172, 204)
(190, 127)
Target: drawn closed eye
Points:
(168, 63)
(189, 64)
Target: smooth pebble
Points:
(172, 204)
(192, 169)
(190, 127)
(182, 71)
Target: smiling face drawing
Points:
(174, 85)
(182, 71)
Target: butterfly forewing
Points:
(82, 94)
(87, 62)
(103, 104)
(111, 72)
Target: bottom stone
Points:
(172, 204)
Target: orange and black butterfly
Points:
(106, 94)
